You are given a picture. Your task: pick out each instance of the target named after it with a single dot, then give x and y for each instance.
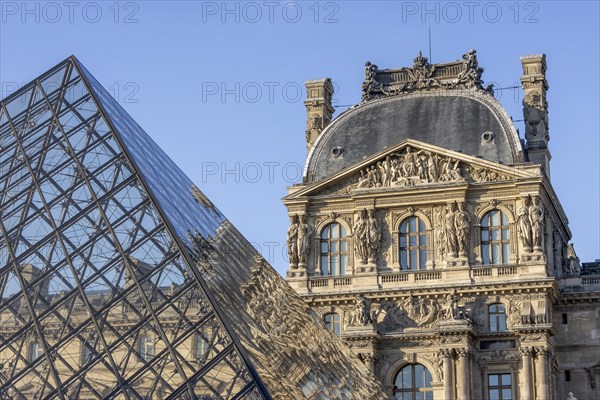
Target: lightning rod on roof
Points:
(430, 59)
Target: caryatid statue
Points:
(536, 213)
(462, 223)
(292, 241)
(524, 225)
(451, 240)
(374, 237)
(303, 241)
(452, 305)
(360, 233)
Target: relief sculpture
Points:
(410, 168)
(360, 315)
(410, 312)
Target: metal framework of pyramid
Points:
(120, 279)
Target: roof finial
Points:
(420, 61)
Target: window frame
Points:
(88, 347)
(426, 391)
(417, 249)
(333, 323)
(146, 343)
(500, 387)
(503, 241)
(340, 242)
(36, 350)
(202, 345)
(499, 316)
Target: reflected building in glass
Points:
(120, 279)
(451, 269)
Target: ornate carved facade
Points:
(438, 246)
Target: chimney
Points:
(37, 293)
(535, 110)
(319, 94)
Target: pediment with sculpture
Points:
(414, 164)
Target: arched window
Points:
(497, 317)
(332, 323)
(36, 351)
(413, 382)
(334, 249)
(413, 244)
(495, 238)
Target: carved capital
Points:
(526, 351)
(542, 351)
(464, 352)
(447, 353)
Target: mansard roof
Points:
(443, 104)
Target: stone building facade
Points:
(427, 234)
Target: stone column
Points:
(463, 375)
(525, 376)
(542, 373)
(448, 365)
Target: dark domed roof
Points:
(466, 121)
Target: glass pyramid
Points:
(120, 279)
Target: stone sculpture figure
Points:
(433, 169)
(514, 316)
(573, 264)
(451, 239)
(314, 129)
(571, 396)
(370, 83)
(292, 242)
(409, 165)
(386, 171)
(524, 225)
(462, 224)
(363, 181)
(303, 241)
(373, 237)
(361, 315)
(471, 72)
(452, 305)
(360, 233)
(536, 213)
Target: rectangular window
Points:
(567, 375)
(88, 350)
(146, 348)
(36, 351)
(201, 346)
(500, 387)
(564, 319)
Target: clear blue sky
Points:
(216, 84)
